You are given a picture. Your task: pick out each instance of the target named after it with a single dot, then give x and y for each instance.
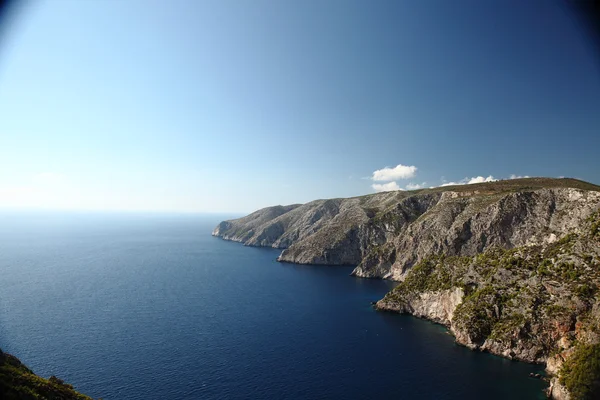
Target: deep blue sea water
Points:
(134, 306)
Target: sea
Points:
(151, 306)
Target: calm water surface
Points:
(127, 306)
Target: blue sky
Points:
(229, 106)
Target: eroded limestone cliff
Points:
(385, 234)
(536, 303)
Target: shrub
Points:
(586, 291)
(544, 268)
(476, 313)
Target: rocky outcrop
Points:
(557, 391)
(243, 229)
(435, 306)
(333, 231)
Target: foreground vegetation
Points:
(581, 373)
(17, 382)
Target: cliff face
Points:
(17, 382)
(320, 232)
(468, 223)
(385, 234)
(535, 303)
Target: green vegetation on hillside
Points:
(502, 186)
(581, 373)
(520, 185)
(17, 382)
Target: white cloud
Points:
(405, 172)
(386, 187)
(468, 181)
(415, 186)
(391, 174)
(452, 184)
(481, 179)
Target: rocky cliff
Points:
(511, 267)
(385, 234)
(536, 303)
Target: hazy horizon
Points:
(227, 214)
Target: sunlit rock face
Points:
(384, 234)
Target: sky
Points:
(230, 106)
